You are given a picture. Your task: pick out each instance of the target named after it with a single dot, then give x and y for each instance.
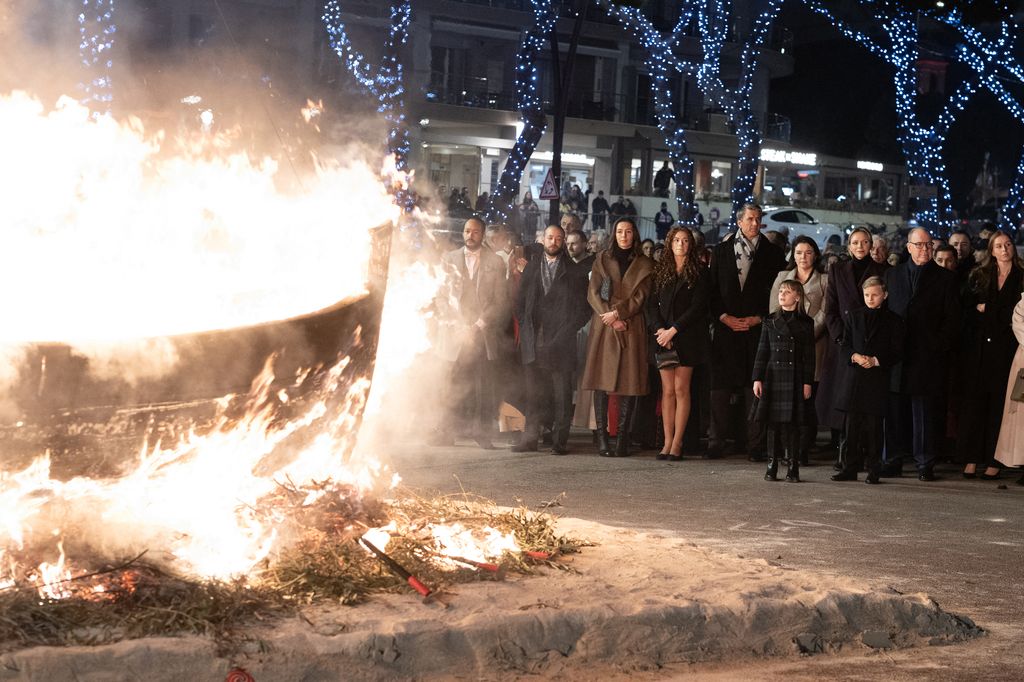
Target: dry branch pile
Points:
(327, 564)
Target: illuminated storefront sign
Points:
(780, 156)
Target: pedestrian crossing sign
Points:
(549, 190)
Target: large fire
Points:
(113, 239)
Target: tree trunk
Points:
(1013, 210)
(564, 82)
(501, 202)
(748, 137)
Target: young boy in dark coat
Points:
(872, 344)
(783, 375)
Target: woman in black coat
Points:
(677, 317)
(993, 290)
(842, 296)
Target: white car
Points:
(794, 223)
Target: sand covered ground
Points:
(635, 604)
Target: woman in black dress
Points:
(677, 315)
(993, 290)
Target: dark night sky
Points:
(841, 101)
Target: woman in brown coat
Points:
(617, 348)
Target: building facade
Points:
(460, 94)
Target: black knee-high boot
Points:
(626, 407)
(601, 417)
(790, 437)
(773, 459)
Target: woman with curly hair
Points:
(993, 290)
(677, 313)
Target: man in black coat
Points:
(926, 296)
(599, 211)
(872, 344)
(576, 245)
(551, 306)
(743, 270)
(961, 241)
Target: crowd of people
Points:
(752, 347)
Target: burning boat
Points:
(57, 383)
(259, 312)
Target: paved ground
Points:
(958, 540)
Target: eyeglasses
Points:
(921, 245)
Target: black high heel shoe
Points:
(990, 477)
(662, 456)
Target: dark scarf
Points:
(871, 316)
(915, 274)
(860, 266)
(622, 256)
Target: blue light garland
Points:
(660, 65)
(385, 81)
(992, 60)
(531, 112)
(96, 31)
(922, 144)
(735, 102)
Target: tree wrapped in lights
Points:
(385, 82)
(1011, 217)
(661, 65)
(735, 101)
(993, 60)
(96, 31)
(922, 144)
(531, 111)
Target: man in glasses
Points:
(925, 295)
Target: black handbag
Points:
(1017, 393)
(666, 359)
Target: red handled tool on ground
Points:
(397, 568)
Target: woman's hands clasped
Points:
(664, 337)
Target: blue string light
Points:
(384, 81)
(531, 111)
(96, 31)
(713, 23)
(922, 144)
(660, 66)
(992, 61)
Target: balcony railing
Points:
(595, 106)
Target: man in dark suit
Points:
(551, 307)
(473, 319)
(743, 270)
(926, 296)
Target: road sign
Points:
(549, 190)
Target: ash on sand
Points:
(635, 602)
